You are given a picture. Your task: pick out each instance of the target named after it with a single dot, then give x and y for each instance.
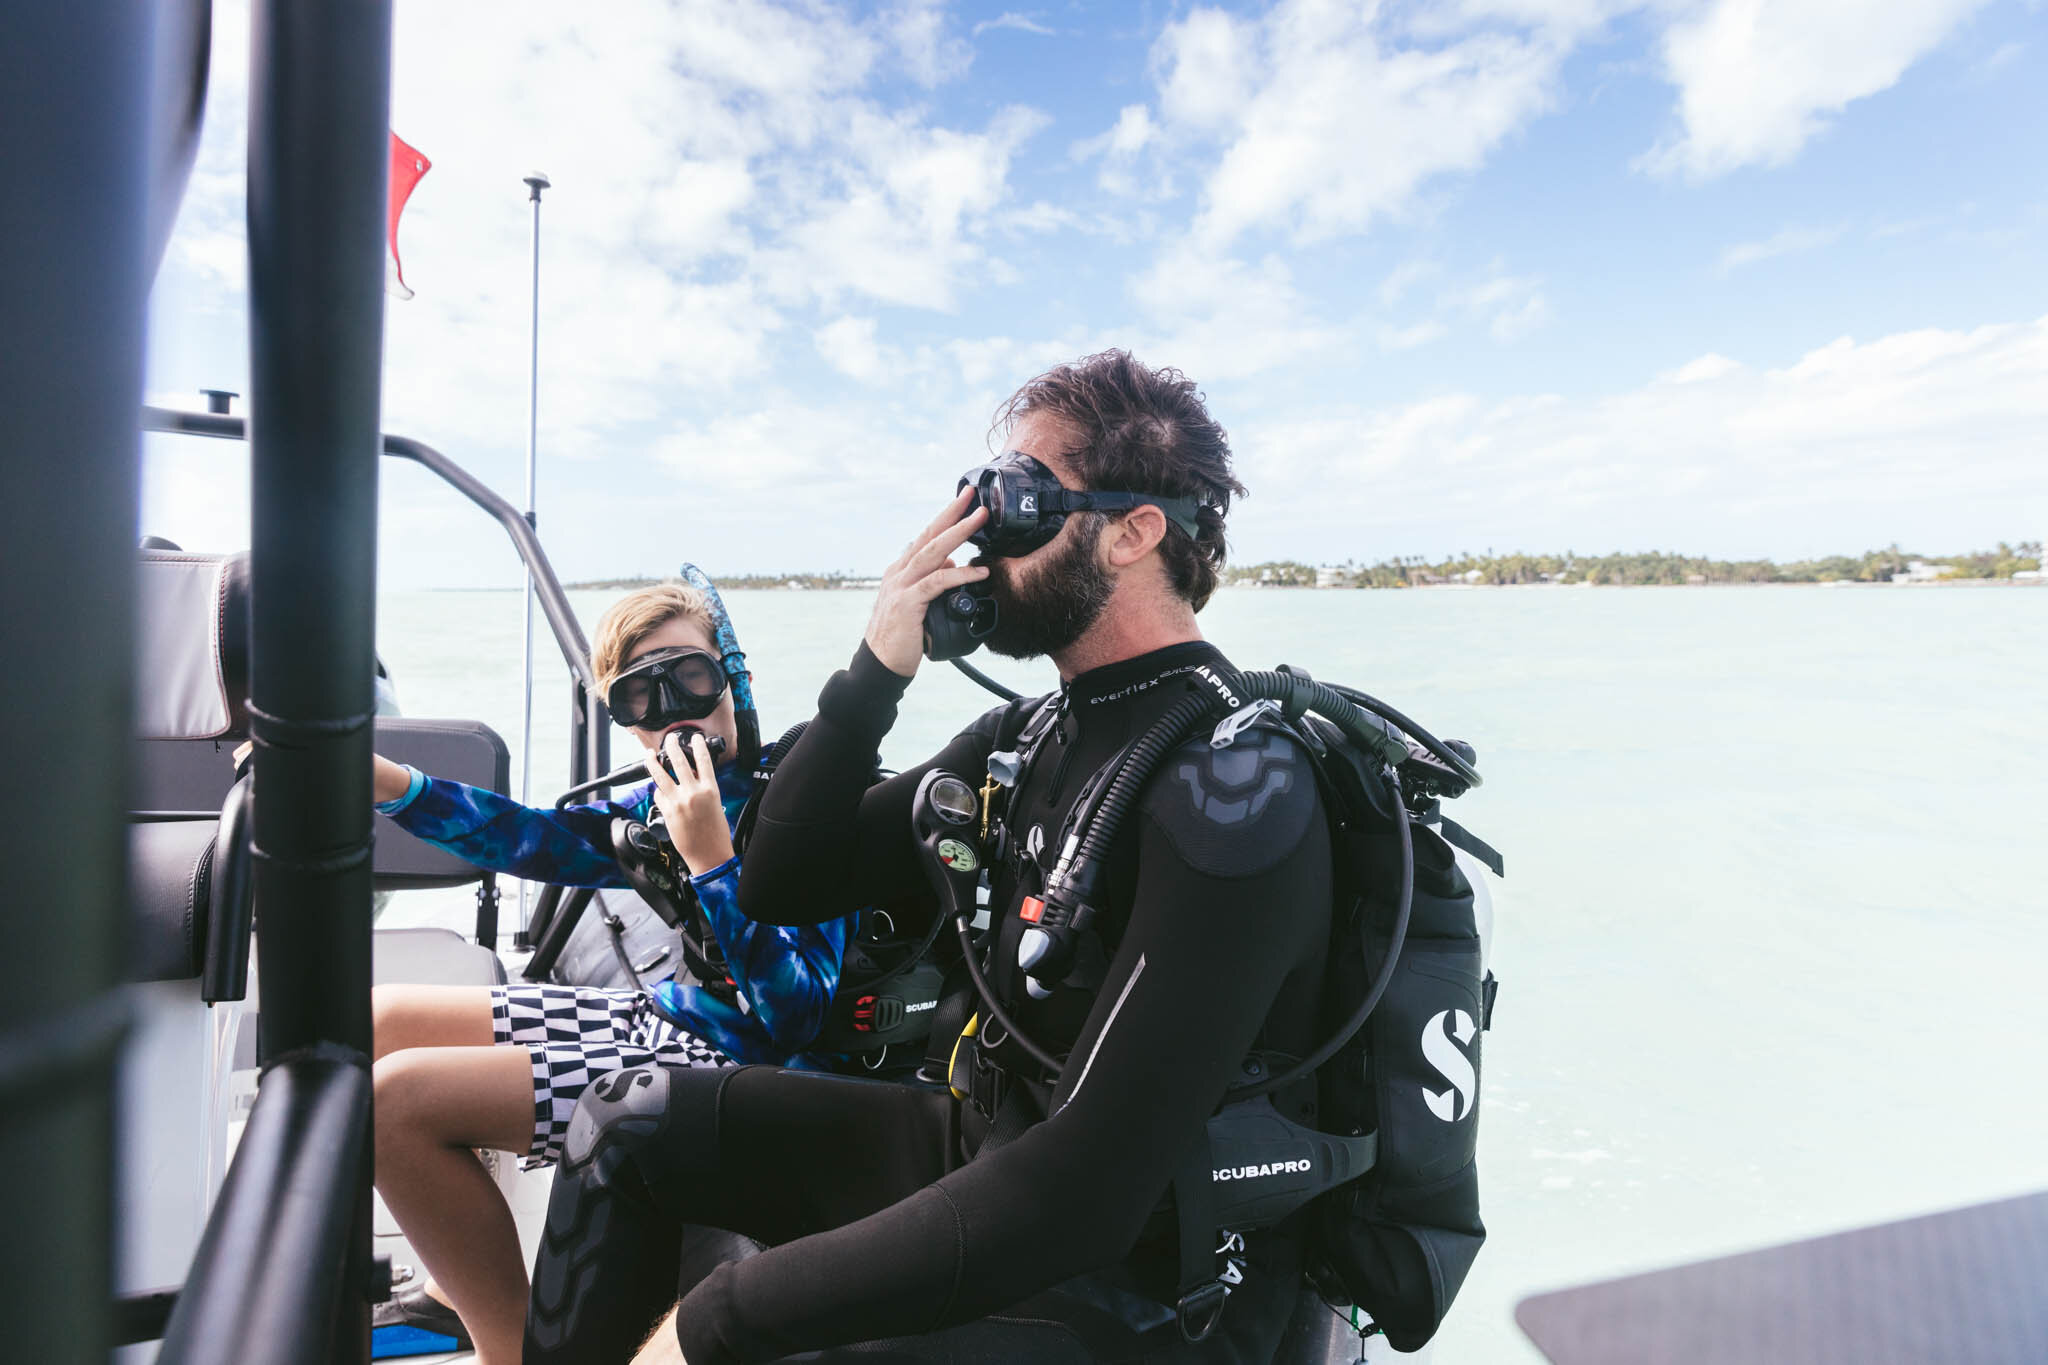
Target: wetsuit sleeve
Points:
(571, 847)
(787, 973)
(825, 842)
(1232, 894)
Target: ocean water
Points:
(1771, 944)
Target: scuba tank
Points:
(1388, 1165)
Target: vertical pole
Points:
(74, 123)
(319, 155)
(535, 183)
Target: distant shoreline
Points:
(2015, 564)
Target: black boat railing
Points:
(283, 1271)
(266, 1284)
(590, 723)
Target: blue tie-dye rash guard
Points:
(786, 976)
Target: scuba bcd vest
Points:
(1388, 1167)
(888, 985)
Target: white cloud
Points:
(1206, 65)
(1119, 148)
(1222, 318)
(849, 346)
(1404, 277)
(911, 203)
(1758, 78)
(1327, 120)
(1510, 306)
(721, 168)
(1930, 433)
(1704, 369)
(1022, 23)
(2006, 55)
(931, 54)
(1785, 242)
(1410, 337)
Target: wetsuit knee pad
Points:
(609, 1249)
(627, 1110)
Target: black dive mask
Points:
(667, 686)
(1027, 505)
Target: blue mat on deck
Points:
(390, 1343)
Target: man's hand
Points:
(689, 803)
(923, 571)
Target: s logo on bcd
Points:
(1452, 1063)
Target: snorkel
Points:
(734, 661)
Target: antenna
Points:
(534, 183)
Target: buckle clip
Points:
(985, 1085)
(1237, 722)
(1200, 1309)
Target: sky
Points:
(1730, 277)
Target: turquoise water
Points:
(1773, 935)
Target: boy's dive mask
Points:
(1027, 504)
(666, 686)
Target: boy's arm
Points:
(570, 847)
(787, 973)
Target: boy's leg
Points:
(433, 1105)
(408, 1015)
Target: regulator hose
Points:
(1450, 757)
(995, 1010)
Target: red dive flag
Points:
(407, 166)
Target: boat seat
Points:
(170, 875)
(192, 713)
(435, 957)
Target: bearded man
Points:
(1024, 1212)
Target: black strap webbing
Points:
(1457, 836)
(1202, 1292)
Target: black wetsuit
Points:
(889, 1210)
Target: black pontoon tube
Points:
(319, 153)
(267, 1282)
(75, 138)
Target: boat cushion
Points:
(467, 751)
(192, 659)
(170, 864)
(435, 957)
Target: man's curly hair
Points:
(1143, 431)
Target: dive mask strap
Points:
(1181, 511)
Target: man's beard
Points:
(1058, 604)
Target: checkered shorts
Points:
(578, 1033)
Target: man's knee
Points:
(618, 1112)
